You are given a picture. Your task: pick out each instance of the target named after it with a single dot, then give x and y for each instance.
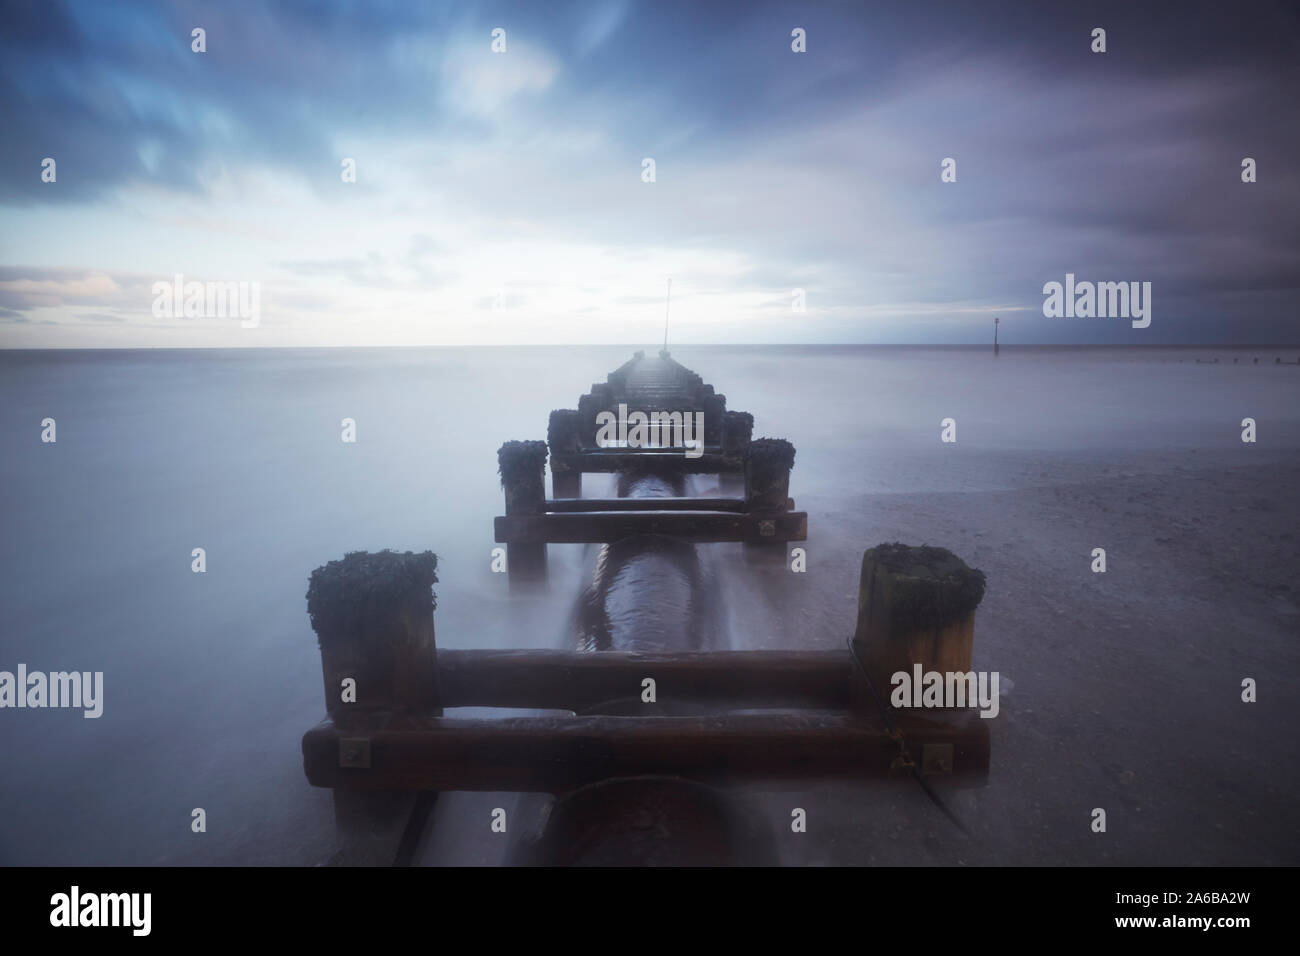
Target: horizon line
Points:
(740, 345)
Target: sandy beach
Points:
(1120, 690)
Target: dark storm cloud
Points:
(114, 92)
(96, 84)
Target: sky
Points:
(500, 196)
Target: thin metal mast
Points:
(667, 302)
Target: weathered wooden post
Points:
(373, 618)
(767, 474)
(563, 438)
(916, 605)
(590, 405)
(523, 476)
(767, 489)
(714, 407)
(737, 431)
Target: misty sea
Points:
(211, 679)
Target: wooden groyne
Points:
(762, 516)
(386, 748)
(645, 385)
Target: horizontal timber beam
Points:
(615, 460)
(562, 528)
(574, 680)
(554, 754)
(575, 505)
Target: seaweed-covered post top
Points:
(522, 465)
(737, 430)
(373, 617)
(767, 474)
(562, 433)
(916, 605)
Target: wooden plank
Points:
(569, 680)
(646, 451)
(615, 460)
(574, 505)
(686, 526)
(554, 754)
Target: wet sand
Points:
(1120, 690)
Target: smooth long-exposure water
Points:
(211, 679)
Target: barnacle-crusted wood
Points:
(357, 597)
(916, 606)
(562, 433)
(523, 476)
(373, 616)
(522, 465)
(770, 454)
(738, 427)
(926, 588)
(767, 474)
(520, 461)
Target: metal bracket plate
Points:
(936, 758)
(354, 752)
